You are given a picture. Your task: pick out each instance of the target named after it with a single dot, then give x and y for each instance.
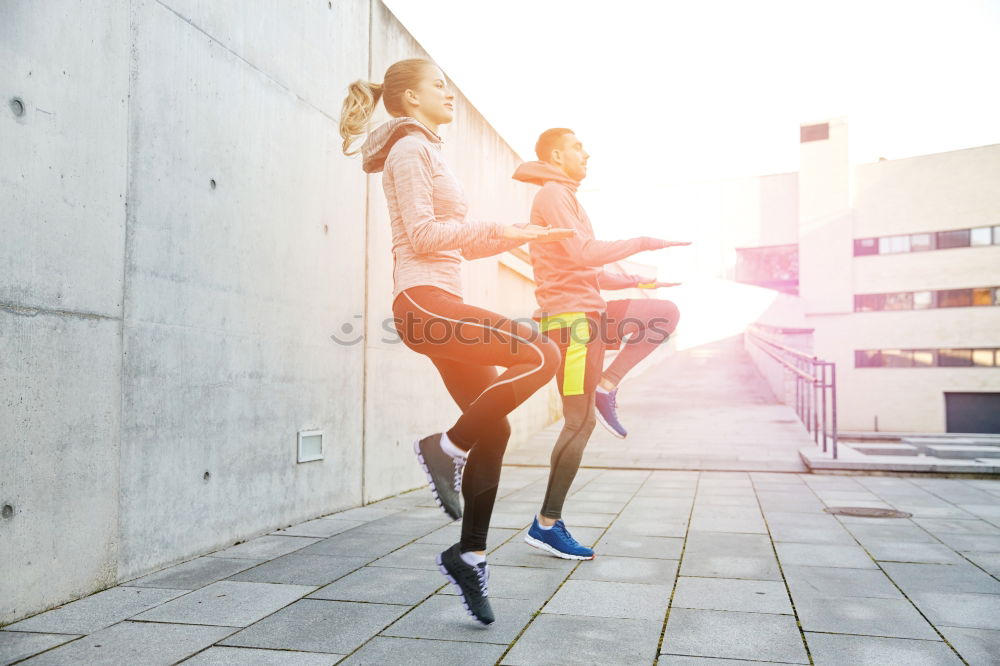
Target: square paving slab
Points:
(230, 656)
(728, 594)
(839, 650)
(518, 583)
(732, 635)
(195, 573)
(443, 617)
(301, 569)
(602, 599)
(383, 585)
(896, 618)
(594, 641)
(833, 582)
(977, 646)
(634, 545)
(131, 643)
(627, 570)
(383, 650)
(265, 547)
(17, 645)
(313, 625)
(97, 611)
(227, 603)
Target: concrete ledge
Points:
(848, 459)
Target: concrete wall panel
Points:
(62, 180)
(314, 48)
(233, 294)
(60, 417)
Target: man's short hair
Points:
(549, 141)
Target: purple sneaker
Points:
(607, 413)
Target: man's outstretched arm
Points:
(558, 208)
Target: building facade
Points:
(896, 267)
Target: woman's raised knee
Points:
(551, 357)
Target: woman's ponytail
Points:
(359, 105)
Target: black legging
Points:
(465, 343)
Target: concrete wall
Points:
(181, 238)
(825, 232)
(62, 232)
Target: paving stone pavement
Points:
(693, 568)
(705, 408)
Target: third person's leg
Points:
(647, 323)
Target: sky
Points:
(669, 97)
(665, 92)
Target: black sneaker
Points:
(442, 472)
(470, 581)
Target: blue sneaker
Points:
(557, 541)
(607, 413)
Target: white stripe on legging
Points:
(541, 356)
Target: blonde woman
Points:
(430, 236)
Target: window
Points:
(954, 298)
(897, 358)
(893, 244)
(950, 239)
(955, 357)
(982, 296)
(819, 132)
(900, 243)
(863, 246)
(982, 358)
(900, 301)
(996, 235)
(923, 300)
(869, 358)
(927, 358)
(869, 302)
(921, 242)
(981, 236)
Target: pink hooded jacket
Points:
(427, 208)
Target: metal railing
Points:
(815, 386)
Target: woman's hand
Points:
(666, 243)
(537, 234)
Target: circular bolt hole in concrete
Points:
(17, 106)
(8, 511)
(207, 476)
(212, 183)
(866, 512)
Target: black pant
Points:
(465, 343)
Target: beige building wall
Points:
(954, 190)
(825, 234)
(904, 399)
(826, 206)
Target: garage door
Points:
(972, 412)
